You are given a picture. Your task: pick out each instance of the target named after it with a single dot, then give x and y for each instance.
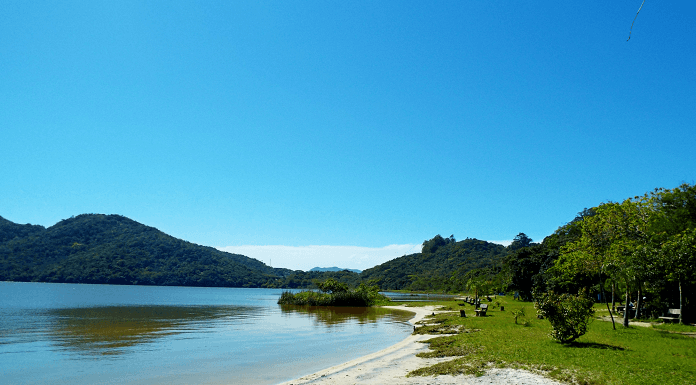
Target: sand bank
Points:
(390, 366)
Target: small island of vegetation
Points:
(335, 293)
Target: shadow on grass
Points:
(674, 335)
(593, 345)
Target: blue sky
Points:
(347, 124)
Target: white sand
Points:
(390, 366)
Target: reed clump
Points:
(334, 293)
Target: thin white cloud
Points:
(308, 257)
(504, 243)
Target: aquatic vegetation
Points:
(334, 293)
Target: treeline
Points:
(308, 279)
(639, 252)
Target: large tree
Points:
(615, 242)
(676, 234)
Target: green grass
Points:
(674, 327)
(634, 355)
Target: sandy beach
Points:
(390, 366)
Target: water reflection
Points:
(85, 334)
(112, 330)
(332, 316)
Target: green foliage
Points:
(305, 298)
(431, 246)
(480, 282)
(518, 313)
(112, 249)
(645, 244)
(528, 264)
(442, 267)
(335, 294)
(521, 240)
(569, 314)
(332, 286)
(308, 279)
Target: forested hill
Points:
(112, 249)
(96, 248)
(441, 265)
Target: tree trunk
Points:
(625, 319)
(639, 301)
(607, 302)
(681, 304)
(613, 302)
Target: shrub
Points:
(518, 314)
(569, 314)
(332, 286)
(339, 295)
(305, 298)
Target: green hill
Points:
(440, 266)
(112, 249)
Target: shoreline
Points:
(391, 365)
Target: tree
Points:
(431, 246)
(679, 254)
(676, 233)
(521, 240)
(569, 314)
(332, 286)
(615, 242)
(525, 265)
(480, 281)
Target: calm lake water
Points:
(103, 334)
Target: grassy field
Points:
(634, 355)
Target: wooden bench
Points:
(482, 311)
(672, 315)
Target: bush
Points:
(332, 286)
(518, 314)
(569, 314)
(363, 295)
(305, 298)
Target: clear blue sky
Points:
(352, 123)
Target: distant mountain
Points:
(112, 249)
(334, 269)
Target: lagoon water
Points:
(103, 334)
